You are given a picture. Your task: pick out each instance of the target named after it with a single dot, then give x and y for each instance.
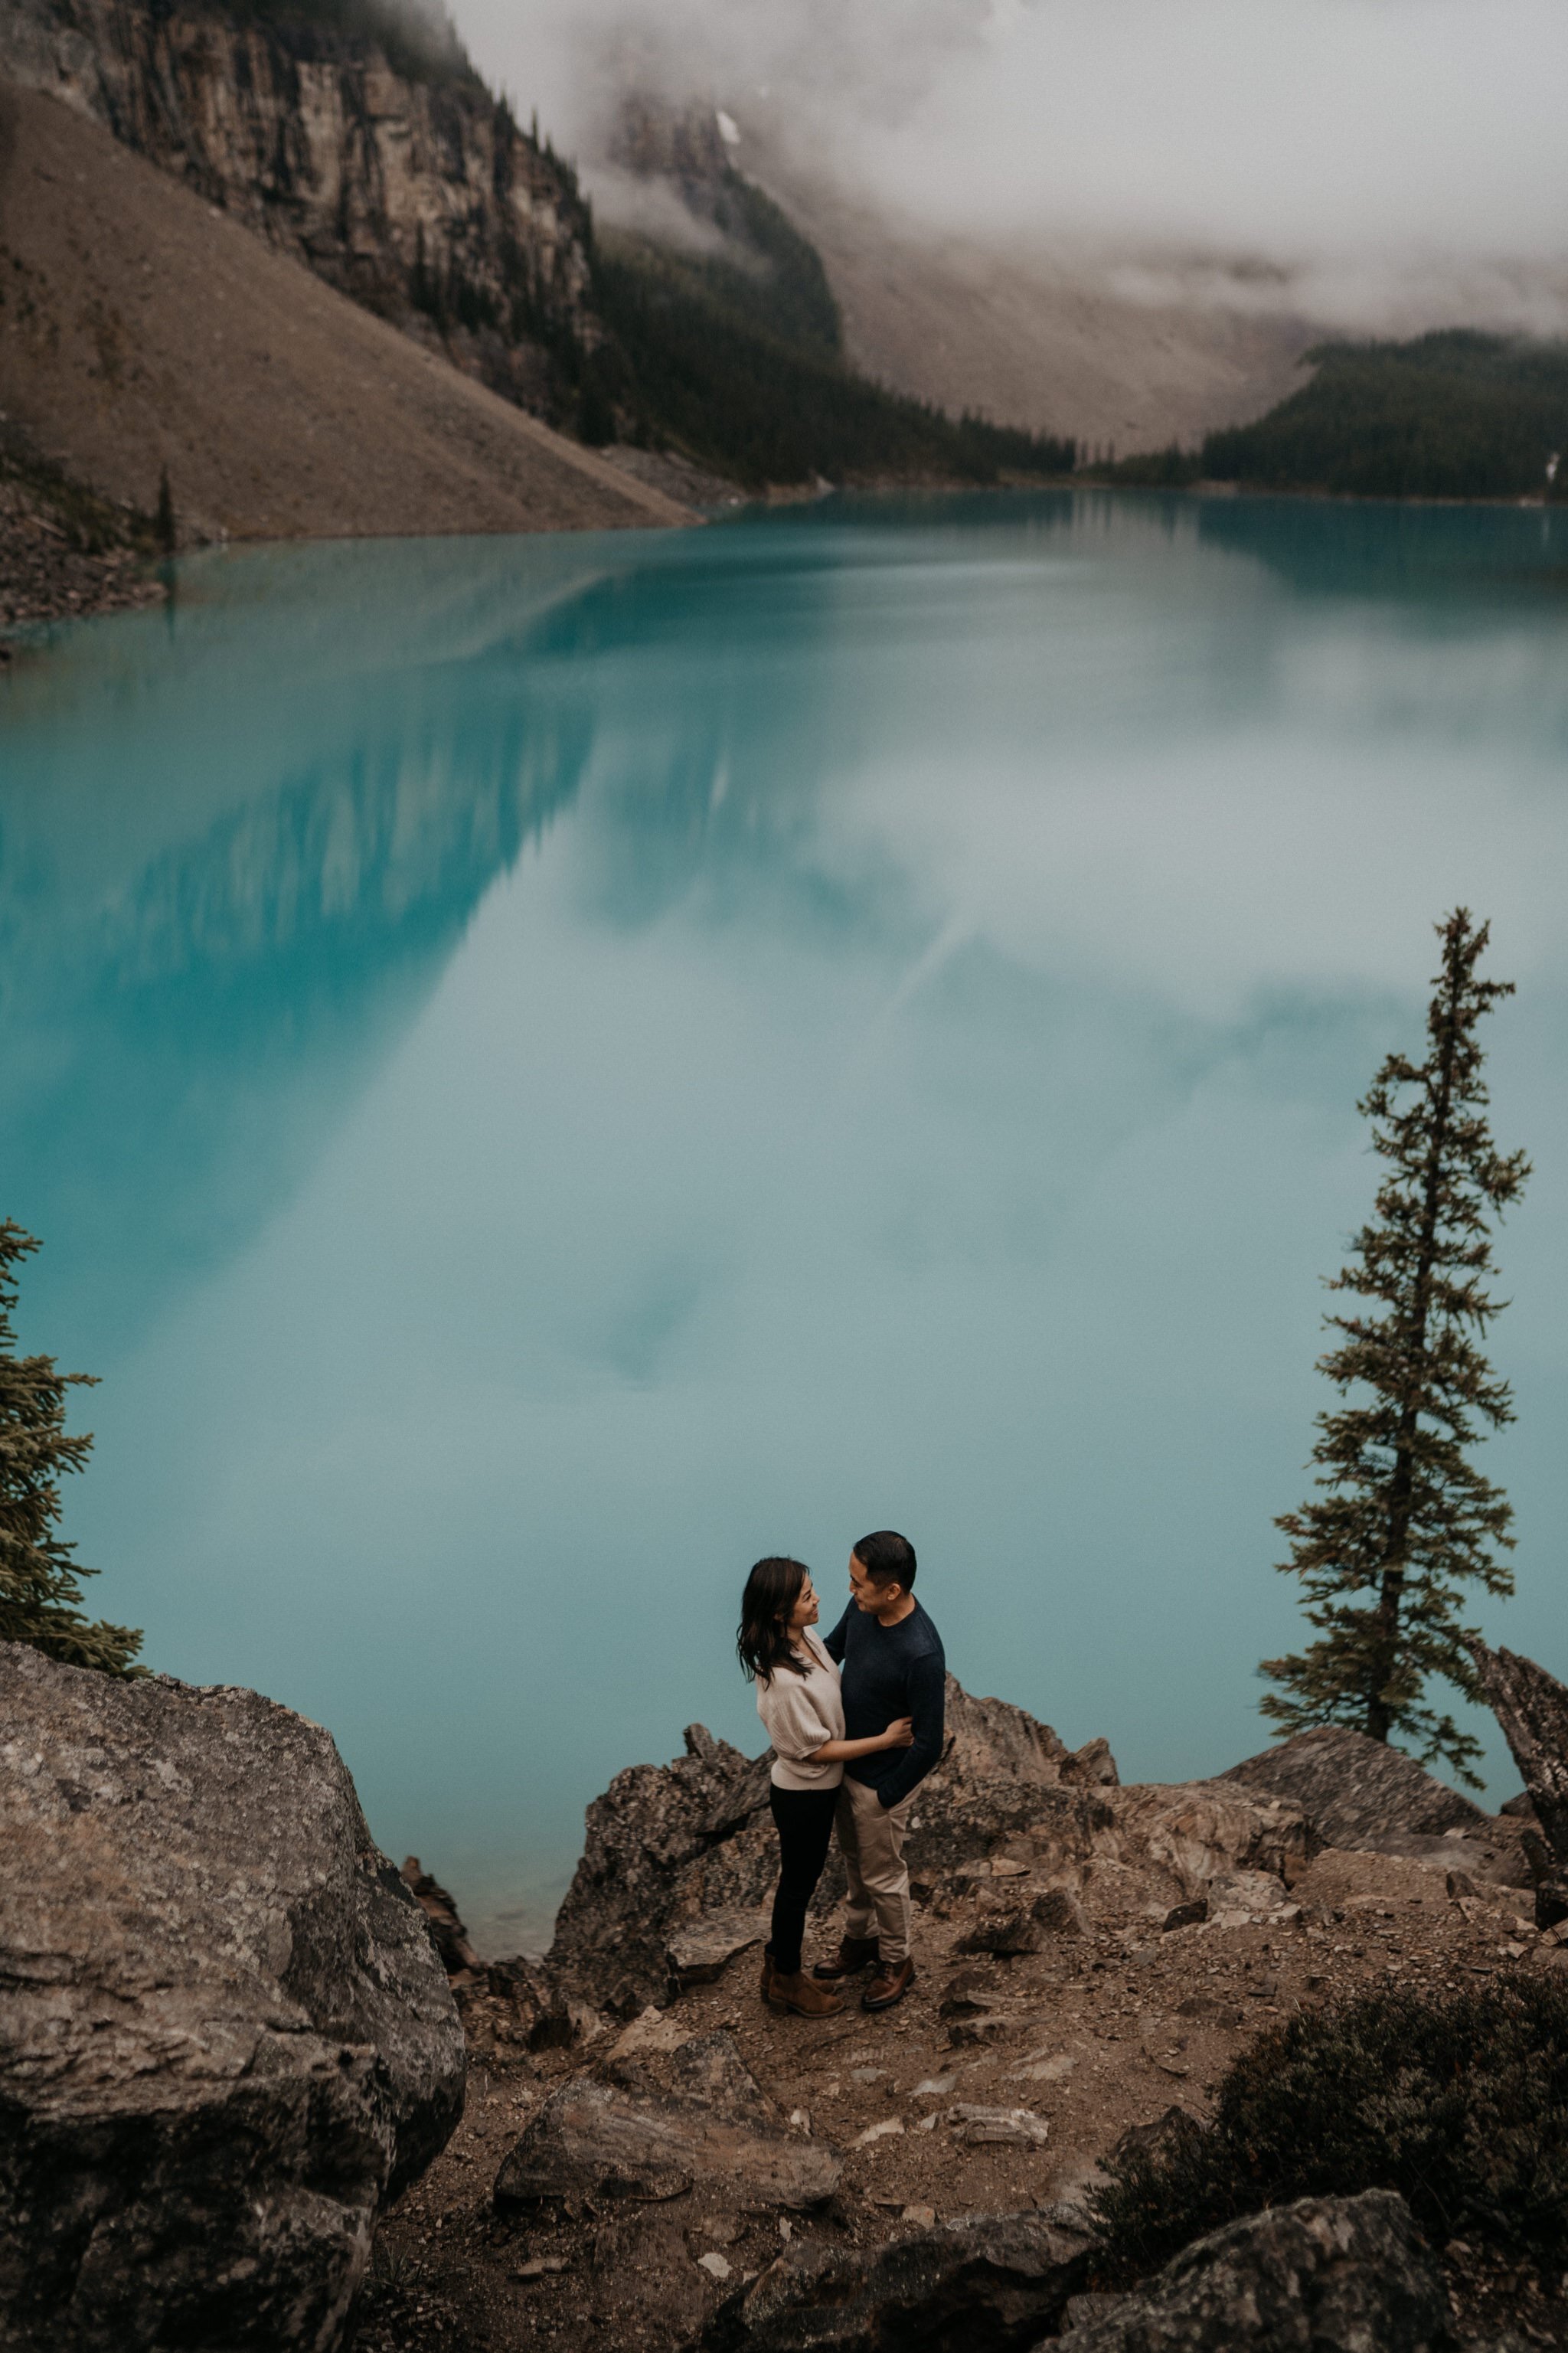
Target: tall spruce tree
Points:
(39, 1595)
(1405, 1522)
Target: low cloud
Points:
(1337, 156)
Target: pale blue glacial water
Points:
(547, 1068)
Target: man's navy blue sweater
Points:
(889, 1671)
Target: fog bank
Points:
(1337, 156)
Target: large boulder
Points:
(1357, 1792)
(227, 2037)
(639, 2135)
(994, 2283)
(1324, 2275)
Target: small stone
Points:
(868, 2075)
(924, 2216)
(716, 2264)
(1002, 1866)
(1187, 1915)
(977, 2127)
(1005, 1933)
(979, 2033)
(537, 2266)
(1060, 1913)
(930, 2087)
(889, 2126)
(1042, 2071)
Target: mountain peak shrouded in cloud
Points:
(1380, 163)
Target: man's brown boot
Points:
(890, 1984)
(854, 1953)
(799, 1993)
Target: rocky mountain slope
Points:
(1057, 343)
(413, 189)
(142, 328)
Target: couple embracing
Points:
(855, 1722)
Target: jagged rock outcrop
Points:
(993, 2285)
(648, 2133)
(668, 1847)
(227, 2038)
(1532, 1707)
(1357, 1792)
(1325, 2276)
(412, 190)
(672, 1851)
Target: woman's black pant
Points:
(805, 1818)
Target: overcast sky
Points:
(1345, 136)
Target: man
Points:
(893, 1665)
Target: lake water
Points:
(547, 1067)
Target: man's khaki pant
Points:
(871, 1837)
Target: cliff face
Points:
(413, 192)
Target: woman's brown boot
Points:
(802, 1994)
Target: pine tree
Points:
(164, 528)
(38, 1589)
(1405, 1521)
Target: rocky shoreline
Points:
(648, 2160)
(66, 554)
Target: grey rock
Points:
(641, 2135)
(1532, 1708)
(1497, 1854)
(447, 1933)
(1092, 1767)
(1176, 2129)
(700, 1953)
(227, 2036)
(1355, 1790)
(982, 2127)
(1325, 2276)
(666, 1844)
(1005, 1933)
(989, 2284)
(1060, 1913)
(669, 1846)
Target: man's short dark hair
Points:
(887, 1558)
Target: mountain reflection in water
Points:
(545, 1068)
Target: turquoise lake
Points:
(545, 1068)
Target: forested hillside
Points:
(695, 359)
(1456, 415)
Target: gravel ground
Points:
(1094, 2034)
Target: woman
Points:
(798, 1701)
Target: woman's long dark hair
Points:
(762, 1639)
